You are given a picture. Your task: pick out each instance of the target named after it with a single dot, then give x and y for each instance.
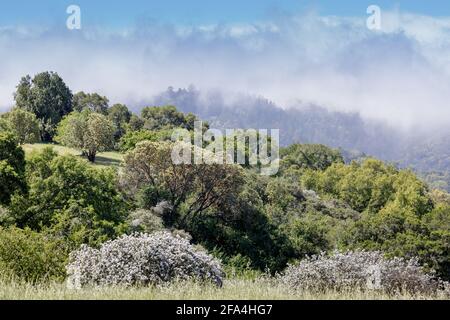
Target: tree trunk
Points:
(91, 156)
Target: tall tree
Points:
(87, 131)
(22, 124)
(309, 156)
(120, 116)
(12, 167)
(70, 198)
(136, 123)
(192, 189)
(90, 101)
(167, 117)
(48, 97)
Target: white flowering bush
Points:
(141, 259)
(359, 270)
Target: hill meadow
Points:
(93, 207)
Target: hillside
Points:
(104, 159)
(426, 153)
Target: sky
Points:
(121, 13)
(292, 52)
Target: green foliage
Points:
(120, 117)
(400, 216)
(317, 203)
(311, 224)
(369, 186)
(4, 125)
(12, 168)
(269, 224)
(87, 131)
(22, 124)
(309, 156)
(437, 179)
(70, 198)
(399, 232)
(48, 97)
(208, 202)
(167, 117)
(192, 189)
(132, 138)
(252, 237)
(136, 123)
(145, 221)
(31, 256)
(90, 101)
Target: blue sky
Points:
(293, 52)
(120, 13)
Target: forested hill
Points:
(428, 155)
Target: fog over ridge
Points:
(398, 75)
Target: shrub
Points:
(141, 259)
(147, 221)
(67, 193)
(23, 125)
(132, 138)
(31, 256)
(3, 213)
(12, 168)
(359, 270)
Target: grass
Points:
(233, 289)
(104, 159)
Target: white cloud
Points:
(399, 73)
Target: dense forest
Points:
(323, 198)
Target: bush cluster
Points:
(363, 270)
(141, 259)
(31, 256)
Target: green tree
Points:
(90, 101)
(399, 231)
(370, 185)
(12, 168)
(48, 97)
(132, 138)
(87, 131)
(69, 199)
(4, 125)
(309, 156)
(136, 123)
(192, 189)
(22, 124)
(166, 117)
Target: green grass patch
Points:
(104, 159)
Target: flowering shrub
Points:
(141, 259)
(359, 270)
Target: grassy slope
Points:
(104, 159)
(233, 289)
